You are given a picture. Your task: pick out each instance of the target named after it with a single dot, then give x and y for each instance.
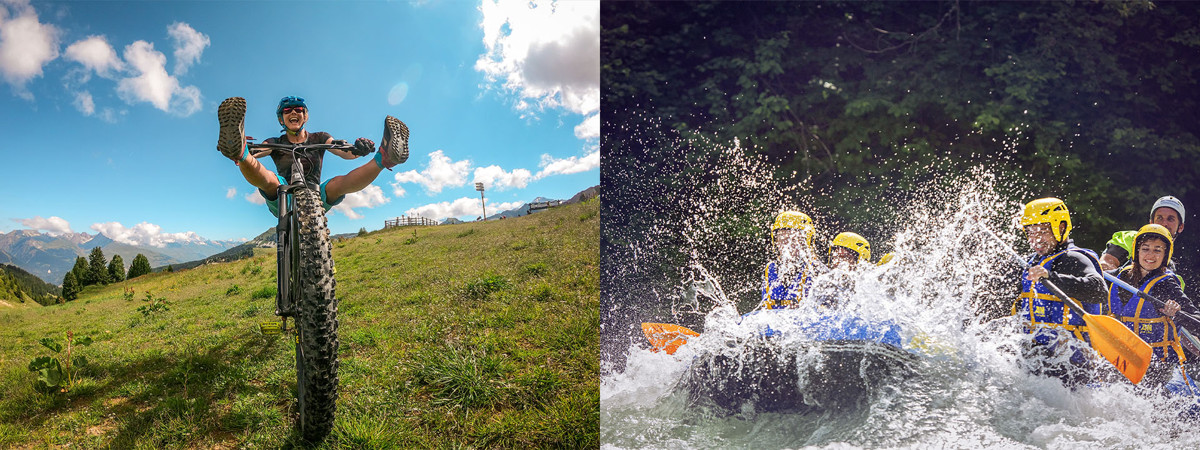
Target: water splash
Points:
(948, 291)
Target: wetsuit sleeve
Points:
(1116, 251)
(1120, 245)
(1168, 289)
(1074, 273)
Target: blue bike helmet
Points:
(288, 102)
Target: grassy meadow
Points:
(475, 335)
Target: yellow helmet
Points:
(795, 220)
(886, 258)
(1050, 211)
(854, 242)
(1155, 230)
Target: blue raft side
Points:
(833, 327)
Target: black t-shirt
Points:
(310, 159)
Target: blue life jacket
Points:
(778, 293)
(1044, 311)
(1144, 319)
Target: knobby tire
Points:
(317, 344)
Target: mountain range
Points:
(51, 256)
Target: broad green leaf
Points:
(50, 344)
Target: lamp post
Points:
(479, 187)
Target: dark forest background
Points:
(861, 103)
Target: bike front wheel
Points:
(316, 321)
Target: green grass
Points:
(472, 335)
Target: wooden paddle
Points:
(665, 336)
(1111, 338)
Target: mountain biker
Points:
(1167, 211)
(786, 280)
(292, 114)
(1074, 270)
(1152, 248)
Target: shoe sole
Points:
(395, 140)
(232, 139)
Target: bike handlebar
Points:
(271, 147)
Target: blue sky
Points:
(108, 109)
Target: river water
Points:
(968, 389)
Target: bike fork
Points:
(287, 244)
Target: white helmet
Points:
(1168, 202)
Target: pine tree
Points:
(116, 269)
(80, 270)
(97, 267)
(70, 290)
(140, 266)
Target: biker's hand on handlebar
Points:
(363, 146)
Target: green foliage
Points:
(413, 239)
(97, 272)
(482, 288)
(469, 232)
(80, 270)
(170, 268)
(16, 283)
(536, 269)
(154, 305)
(252, 269)
(233, 290)
(116, 269)
(1092, 102)
(201, 376)
(362, 231)
(459, 377)
(139, 267)
(263, 292)
(71, 287)
(59, 373)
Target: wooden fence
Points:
(543, 205)
(406, 221)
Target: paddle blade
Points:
(665, 336)
(1119, 345)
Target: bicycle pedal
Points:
(270, 328)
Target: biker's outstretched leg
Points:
(393, 150)
(231, 142)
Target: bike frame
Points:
(290, 283)
(287, 235)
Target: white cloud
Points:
(231, 193)
(494, 177)
(83, 102)
(256, 198)
(153, 84)
(398, 190)
(574, 164)
(546, 53)
(144, 234)
(96, 55)
(441, 172)
(590, 128)
(189, 45)
(110, 115)
(369, 197)
(463, 207)
(54, 225)
(26, 45)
